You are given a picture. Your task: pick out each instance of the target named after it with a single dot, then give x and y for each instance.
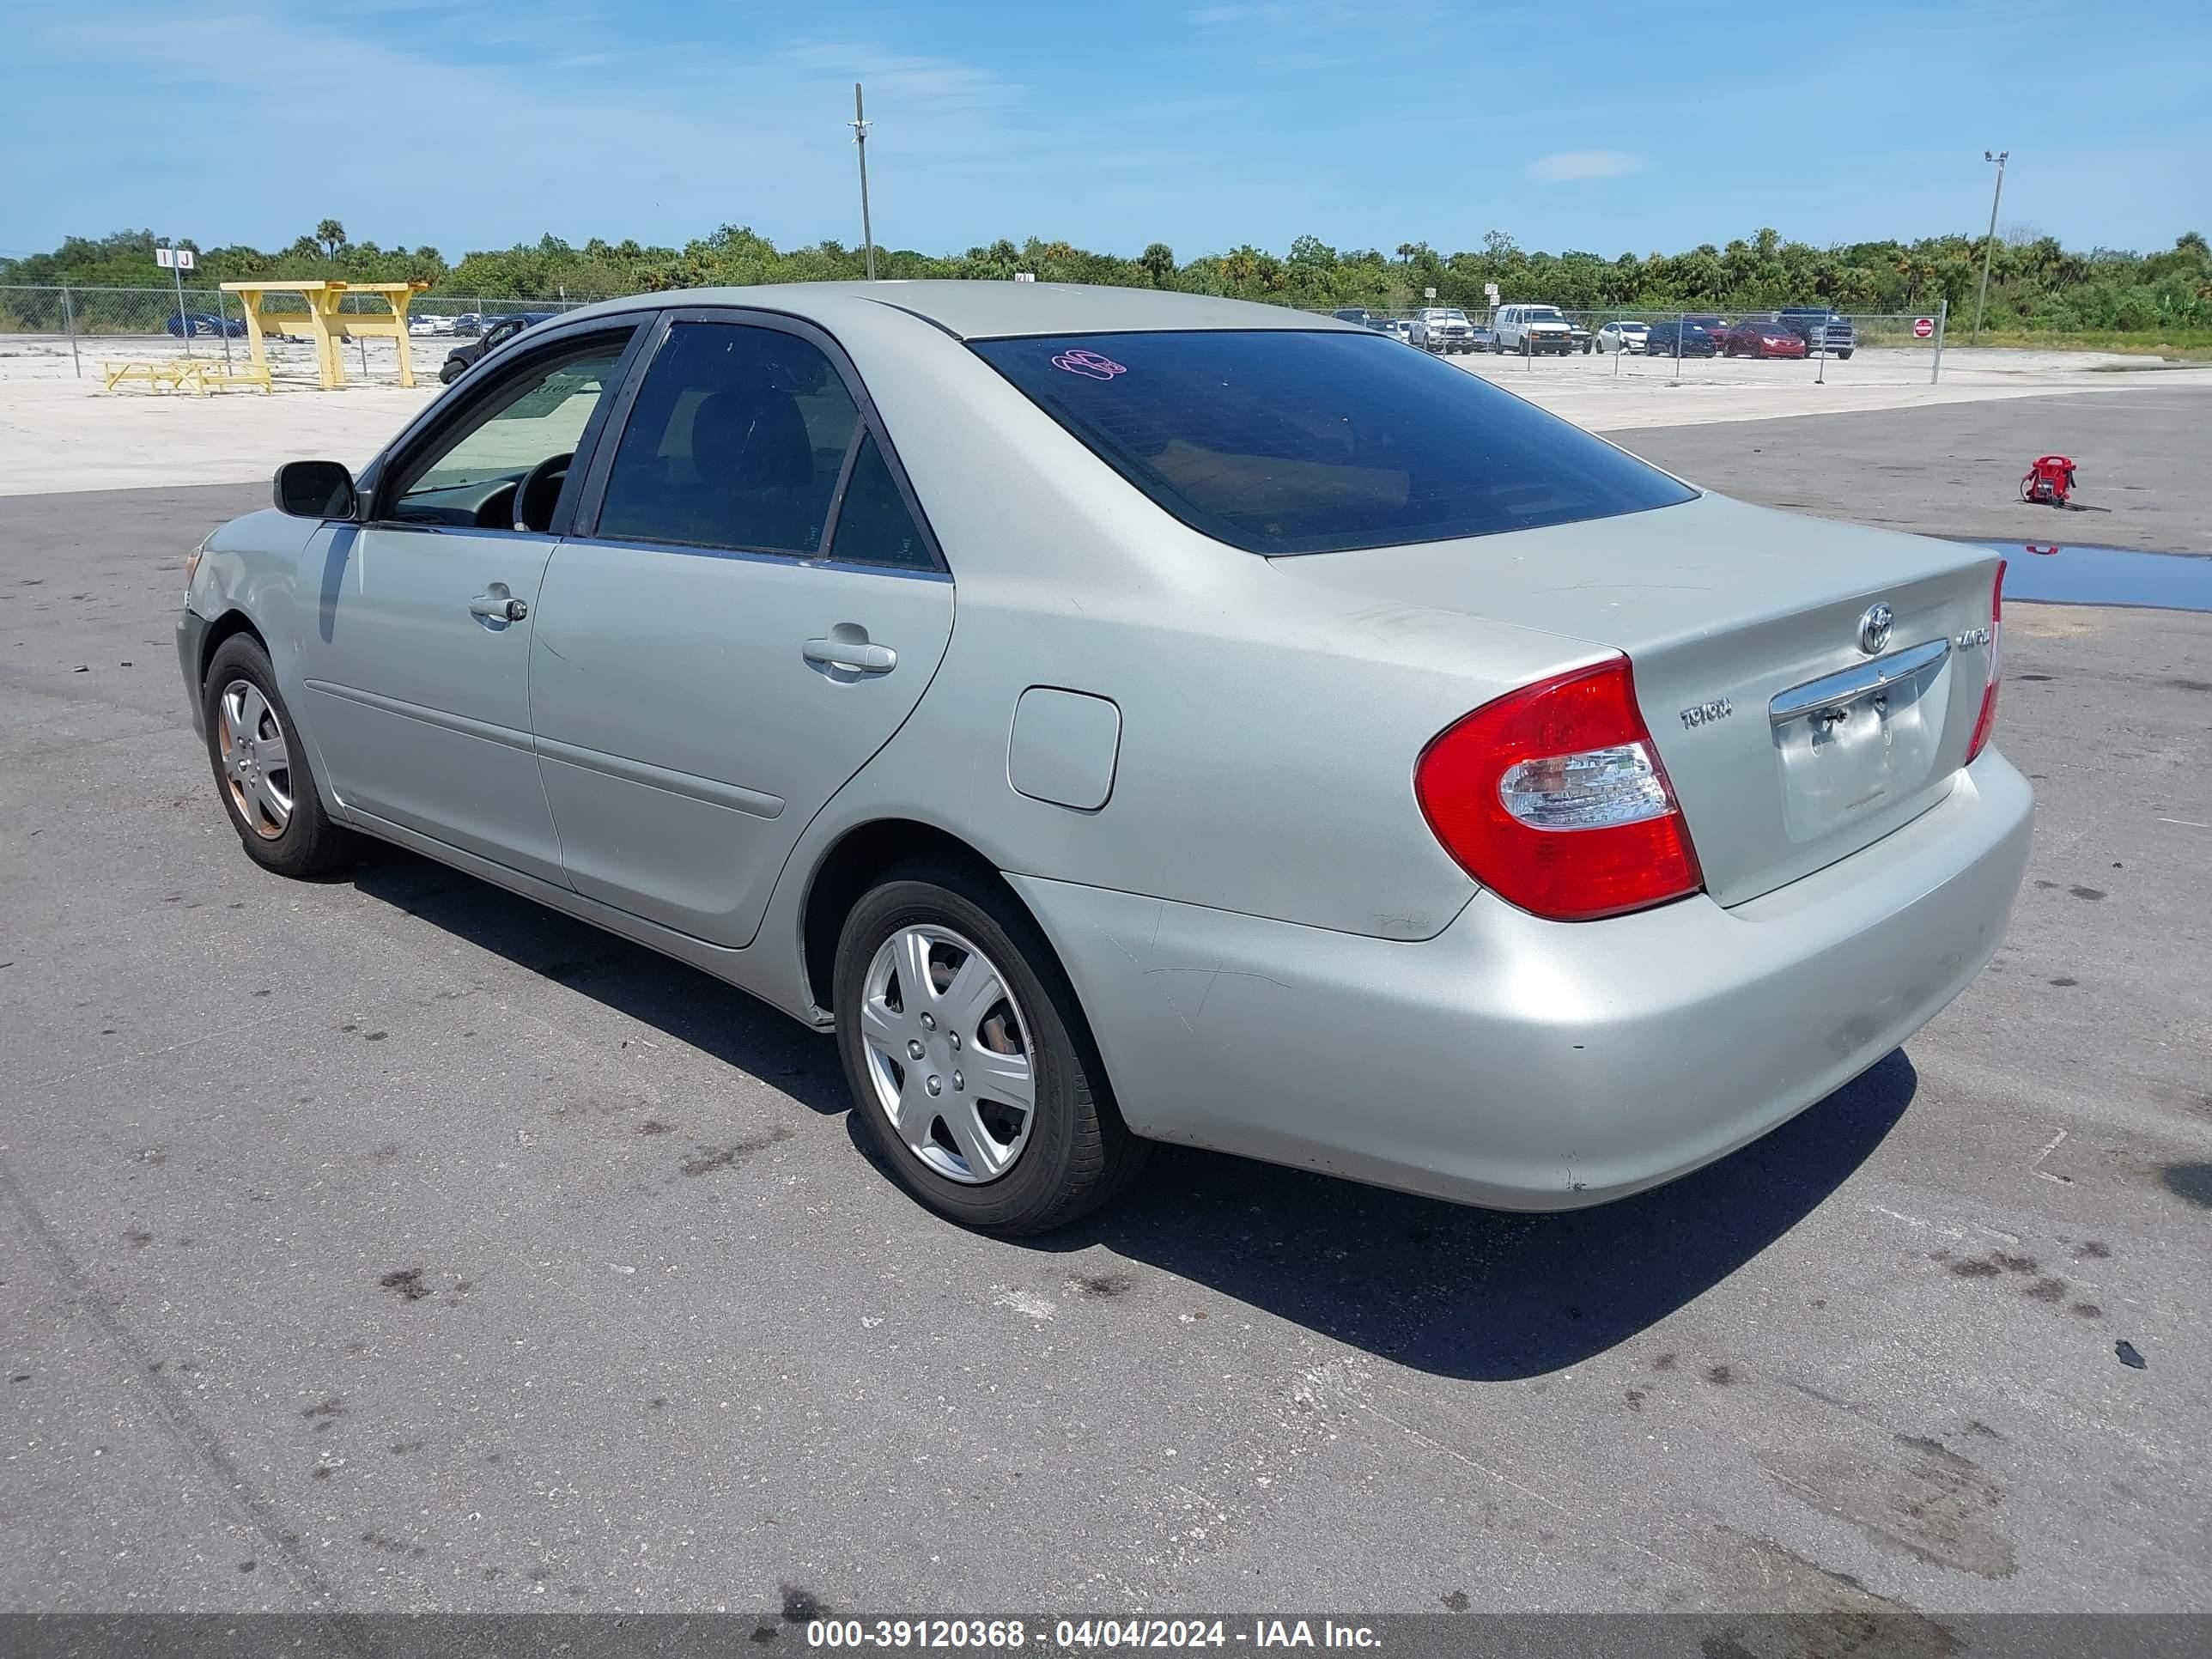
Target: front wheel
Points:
(1844, 355)
(261, 766)
(970, 1063)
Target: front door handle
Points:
(496, 606)
(854, 656)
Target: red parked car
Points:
(1755, 338)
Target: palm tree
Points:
(1159, 262)
(1916, 268)
(331, 234)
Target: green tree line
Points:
(2034, 284)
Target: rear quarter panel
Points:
(1270, 728)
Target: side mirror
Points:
(315, 489)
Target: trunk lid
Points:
(1789, 745)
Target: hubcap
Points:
(948, 1053)
(257, 759)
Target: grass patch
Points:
(2193, 344)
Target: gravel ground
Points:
(389, 1243)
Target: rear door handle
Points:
(855, 656)
(497, 607)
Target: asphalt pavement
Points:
(390, 1243)
(1954, 469)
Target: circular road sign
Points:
(1923, 327)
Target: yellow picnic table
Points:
(330, 326)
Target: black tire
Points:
(1845, 356)
(1080, 1153)
(450, 370)
(309, 843)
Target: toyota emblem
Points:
(1874, 628)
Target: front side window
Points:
(1280, 441)
(537, 415)
(737, 440)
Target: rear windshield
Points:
(1284, 441)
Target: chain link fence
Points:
(1702, 346)
(71, 331)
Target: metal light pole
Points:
(861, 142)
(1989, 244)
(184, 322)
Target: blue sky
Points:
(1204, 124)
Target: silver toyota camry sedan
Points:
(1126, 716)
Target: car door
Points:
(750, 607)
(417, 662)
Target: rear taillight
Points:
(1553, 797)
(1986, 721)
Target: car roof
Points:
(993, 310)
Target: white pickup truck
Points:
(1444, 329)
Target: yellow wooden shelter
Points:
(330, 326)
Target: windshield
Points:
(1280, 441)
(1543, 315)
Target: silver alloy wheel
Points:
(948, 1053)
(257, 759)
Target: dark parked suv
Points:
(1818, 327)
(497, 331)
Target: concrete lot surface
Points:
(388, 1242)
(58, 434)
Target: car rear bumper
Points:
(1529, 1065)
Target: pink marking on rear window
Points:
(1090, 364)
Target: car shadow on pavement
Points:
(1483, 1294)
(681, 1001)
(1477, 1294)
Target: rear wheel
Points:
(261, 766)
(970, 1063)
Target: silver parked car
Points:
(1128, 716)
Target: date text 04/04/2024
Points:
(1080, 1635)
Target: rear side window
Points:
(736, 440)
(1280, 442)
(873, 523)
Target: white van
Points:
(1534, 329)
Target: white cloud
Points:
(1585, 164)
